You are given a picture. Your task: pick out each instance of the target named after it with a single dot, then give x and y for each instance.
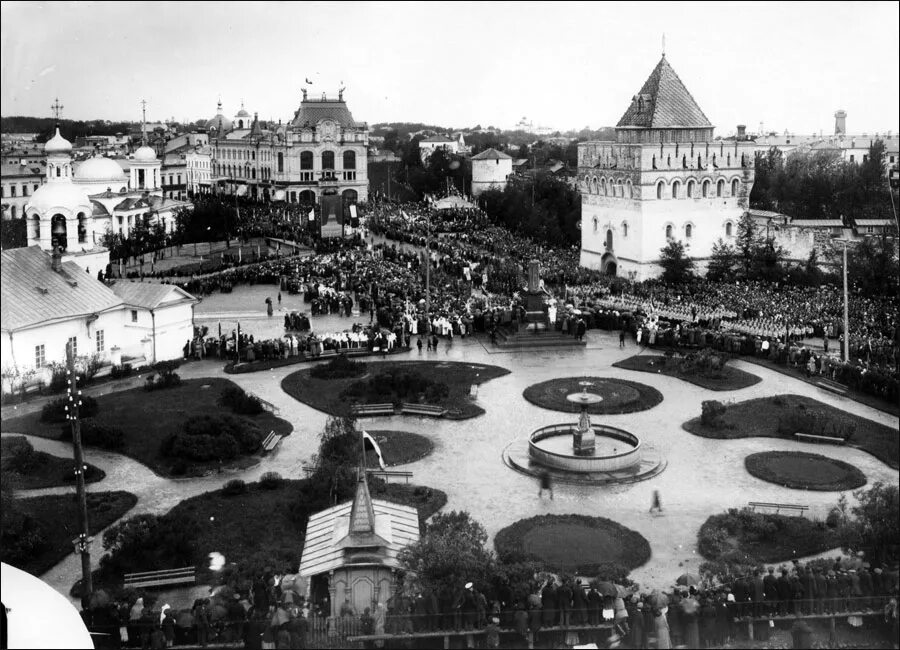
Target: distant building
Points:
(320, 152)
(663, 179)
(429, 145)
(490, 170)
(17, 183)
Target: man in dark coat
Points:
(595, 606)
(741, 590)
(579, 604)
(757, 593)
(783, 592)
(638, 637)
(821, 591)
(549, 601)
(865, 584)
(809, 591)
(564, 602)
(770, 585)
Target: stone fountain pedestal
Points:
(583, 437)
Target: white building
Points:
(490, 169)
(48, 302)
(198, 163)
(429, 145)
(663, 178)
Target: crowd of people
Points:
(695, 612)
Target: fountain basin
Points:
(546, 443)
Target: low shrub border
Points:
(564, 542)
(619, 395)
(803, 471)
(766, 417)
(28, 469)
(729, 379)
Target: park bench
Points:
(271, 441)
(809, 437)
(832, 386)
(160, 578)
(778, 506)
(386, 474)
(423, 409)
(363, 410)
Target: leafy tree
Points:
(677, 266)
(14, 233)
(147, 543)
(872, 265)
(449, 554)
(338, 459)
(722, 262)
(874, 527)
(747, 240)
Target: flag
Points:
(312, 214)
(369, 443)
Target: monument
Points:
(583, 436)
(535, 300)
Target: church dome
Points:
(50, 196)
(242, 113)
(145, 154)
(57, 144)
(99, 168)
(220, 123)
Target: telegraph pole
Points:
(83, 541)
(428, 275)
(846, 311)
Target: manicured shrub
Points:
(165, 376)
(96, 434)
(213, 437)
(235, 398)
(706, 362)
(234, 487)
(19, 454)
(340, 367)
(396, 386)
(712, 412)
(119, 372)
(55, 411)
(270, 480)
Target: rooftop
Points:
(663, 102)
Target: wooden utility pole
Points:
(846, 311)
(83, 541)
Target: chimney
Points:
(741, 131)
(56, 259)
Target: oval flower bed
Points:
(804, 471)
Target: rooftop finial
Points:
(143, 122)
(57, 109)
(664, 45)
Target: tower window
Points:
(720, 188)
(735, 187)
(690, 189)
(688, 231)
(660, 187)
(705, 189)
(668, 232)
(676, 186)
(728, 229)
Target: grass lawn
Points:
(43, 470)
(802, 471)
(753, 538)
(728, 379)
(619, 395)
(56, 517)
(759, 417)
(399, 447)
(324, 394)
(269, 525)
(576, 544)
(147, 418)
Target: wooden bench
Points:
(386, 474)
(809, 437)
(363, 410)
(271, 441)
(778, 506)
(160, 578)
(832, 386)
(423, 409)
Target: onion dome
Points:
(99, 168)
(219, 122)
(57, 144)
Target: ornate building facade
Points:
(664, 178)
(320, 152)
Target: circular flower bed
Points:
(803, 471)
(569, 543)
(619, 395)
(399, 447)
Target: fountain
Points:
(584, 452)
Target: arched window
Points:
(676, 188)
(720, 188)
(684, 162)
(596, 224)
(669, 160)
(654, 162)
(699, 162)
(690, 189)
(12, 211)
(705, 188)
(349, 160)
(688, 231)
(36, 219)
(629, 190)
(603, 186)
(609, 239)
(728, 229)
(327, 160)
(624, 229)
(735, 187)
(57, 172)
(592, 186)
(306, 160)
(668, 232)
(253, 174)
(660, 188)
(280, 161)
(729, 160)
(743, 160)
(82, 228)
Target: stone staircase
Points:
(509, 338)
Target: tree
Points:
(677, 266)
(13, 233)
(872, 266)
(874, 527)
(747, 240)
(722, 262)
(147, 543)
(449, 554)
(338, 459)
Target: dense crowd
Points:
(696, 612)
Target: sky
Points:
(787, 65)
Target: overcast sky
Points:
(563, 65)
